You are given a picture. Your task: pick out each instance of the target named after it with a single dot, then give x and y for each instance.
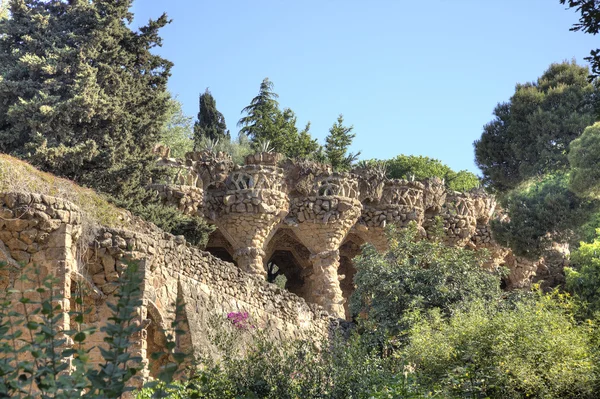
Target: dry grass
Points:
(19, 176)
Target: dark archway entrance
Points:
(219, 246)
(288, 257)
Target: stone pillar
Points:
(37, 236)
(325, 282)
(251, 260)
(247, 211)
(321, 221)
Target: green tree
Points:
(178, 131)
(265, 122)
(83, 95)
(337, 143)
(416, 274)
(541, 212)
(530, 134)
(420, 168)
(589, 22)
(211, 123)
(262, 113)
(584, 158)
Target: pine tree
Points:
(83, 96)
(266, 122)
(531, 133)
(262, 113)
(336, 145)
(211, 123)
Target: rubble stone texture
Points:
(316, 211)
(300, 216)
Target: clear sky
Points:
(413, 77)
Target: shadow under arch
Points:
(287, 256)
(220, 247)
(350, 248)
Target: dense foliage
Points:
(416, 274)
(211, 123)
(541, 212)
(583, 277)
(530, 134)
(532, 349)
(584, 155)
(83, 95)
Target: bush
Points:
(583, 279)
(416, 274)
(533, 349)
(540, 212)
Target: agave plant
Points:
(264, 146)
(210, 145)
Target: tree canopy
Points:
(337, 143)
(83, 95)
(211, 123)
(530, 134)
(266, 123)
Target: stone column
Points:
(251, 260)
(322, 223)
(247, 212)
(37, 236)
(325, 282)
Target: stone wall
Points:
(45, 232)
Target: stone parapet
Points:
(189, 200)
(401, 202)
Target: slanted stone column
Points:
(252, 203)
(459, 219)
(321, 221)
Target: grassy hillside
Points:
(16, 175)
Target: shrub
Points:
(416, 274)
(533, 349)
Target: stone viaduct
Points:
(310, 222)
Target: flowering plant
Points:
(240, 320)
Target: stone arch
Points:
(219, 246)
(292, 259)
(350, 248)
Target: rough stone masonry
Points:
(300, 216)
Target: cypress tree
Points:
(211, 123)
(83, 95)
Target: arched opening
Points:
(288, 262)
(219, 247)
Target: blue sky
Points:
(413, 77)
